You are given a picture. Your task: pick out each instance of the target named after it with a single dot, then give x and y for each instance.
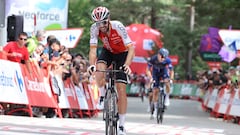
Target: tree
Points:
(171, 18)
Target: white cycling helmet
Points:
(100, 14)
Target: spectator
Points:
(48, 49)
(234, 78)
(17, 52)
(38, 52)
(33, 42)
(55, 46)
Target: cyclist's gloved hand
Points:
(171, 81)
(126, 69)
(91, 69)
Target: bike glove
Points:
(171, 81)
(91, 69)
(126, 69)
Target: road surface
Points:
(183, 117)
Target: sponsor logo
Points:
(5, 80)
(19, 80)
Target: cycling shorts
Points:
(107, 58)
(150, 90)
(157, 76)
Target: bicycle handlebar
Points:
(109, 71)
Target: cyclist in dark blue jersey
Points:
(160, 69)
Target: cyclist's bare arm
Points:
(172, 74)
(149, 72)
(92, 54)
(131, 53)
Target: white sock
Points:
(102, 91)
(155, 105)
(167, 95)
(122, 119)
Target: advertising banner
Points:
(12, 85)
(37, 88)
(39, 14)
(81, 97)
(71, 94)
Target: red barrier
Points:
(72, 98)
(90, 100)
(71, 94)
(40, 94)
(230, 101)
(215, 112)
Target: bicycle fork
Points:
(161, 98)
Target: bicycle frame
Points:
(110, 111)
(161, 102)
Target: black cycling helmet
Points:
(164, 52)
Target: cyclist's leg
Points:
(100, 78)
(104, 60)
(121, 84)
(150, 97)
(122, 102)
(167, 90)
(155, 93)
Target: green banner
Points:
(177, 89)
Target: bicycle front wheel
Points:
(160, 110)
(110, 116)
(159, 115)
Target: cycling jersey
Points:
(160, 70)
(116, 42)
(160, 66)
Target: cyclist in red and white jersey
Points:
(117, 47)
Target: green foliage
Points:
(171, 18)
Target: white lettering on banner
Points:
(40, 15)
(186, 90)
(6, 81)
(34, 85)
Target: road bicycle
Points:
(110, 111)
(161, 103)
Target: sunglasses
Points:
(102, 23)
(25, 39)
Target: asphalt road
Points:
(183, 117)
